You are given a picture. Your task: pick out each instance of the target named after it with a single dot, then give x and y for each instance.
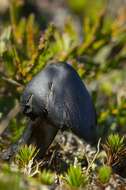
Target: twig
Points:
(12, 81)
(5, 122)
(95, 156)
(9, 80)
(52, 156)
(38, 164)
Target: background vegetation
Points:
(91, 36)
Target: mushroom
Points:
(56, 98)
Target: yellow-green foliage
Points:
(24, 54)
(75, 177)
(46, 177)
(10, 179)
(25, 155)
(115, 149)
(104, 174)
(115, 142)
